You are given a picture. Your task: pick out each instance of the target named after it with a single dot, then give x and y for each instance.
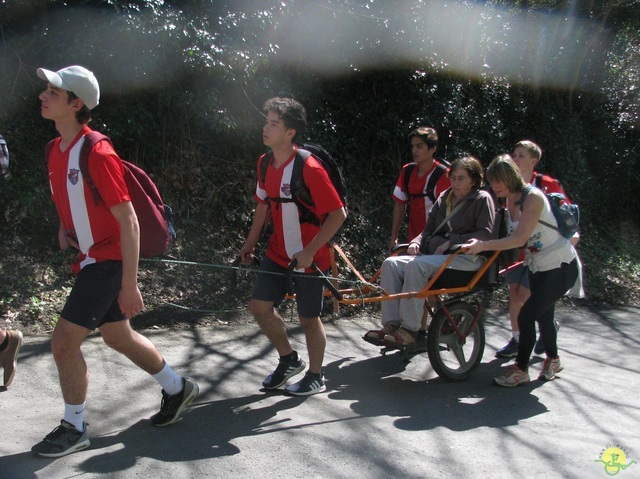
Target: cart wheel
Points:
(451, 356)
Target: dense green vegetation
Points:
(183, 84)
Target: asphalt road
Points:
(380, 417)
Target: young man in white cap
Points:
(105, 294)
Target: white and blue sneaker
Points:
(509, 350)
(311, 383)
(285, 371)
(540, 348)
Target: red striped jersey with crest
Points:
(418, 206)
(289, 235)
(94, 226)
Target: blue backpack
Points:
(567, 214)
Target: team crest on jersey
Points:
(286, 189)
(73, 176)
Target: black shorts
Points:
(271, 286)
(93, 300)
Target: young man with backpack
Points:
(293, 239)
(106, 234)
(419, 184)
(526, 155)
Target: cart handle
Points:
(318, 272)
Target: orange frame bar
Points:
(423, 293)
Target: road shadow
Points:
(376, 389)
(205, 431)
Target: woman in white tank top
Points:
(550, 261)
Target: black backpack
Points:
(440, 170)
(299, 191)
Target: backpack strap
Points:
(537, 181)
(433, 180)
(90, 140)
(520, 203)
(264, 164)
(299, 189)
(407, 175)
(436, 174)
(525, 192)
(299, 192)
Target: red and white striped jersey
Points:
(419, 206)
(94, 226)
(289, 235)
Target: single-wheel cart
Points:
(453, 332)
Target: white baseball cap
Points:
(75, 79)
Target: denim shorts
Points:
(93, 300)
(519, 275)
(271, 286)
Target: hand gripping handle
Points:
(318, 272)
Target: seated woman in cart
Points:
(460, 213)
(550, 261)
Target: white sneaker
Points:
(514, 376)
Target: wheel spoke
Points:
(458, 352)
(449, 340)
